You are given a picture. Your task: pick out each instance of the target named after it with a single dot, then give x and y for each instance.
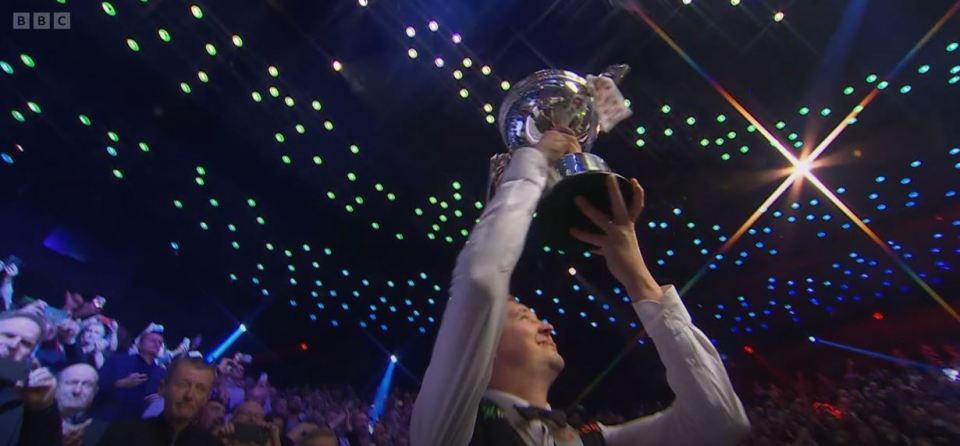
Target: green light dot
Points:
(211, 50)
(202, 75)
(704, 142)
(435, 227)
(317, 160)
(457, 213)
(316, 105)
(793, 136)
(431, 236)
(668, 132)
(848, 91)
(164, 35)
(331, 195)
(721, 118)
(6, 67)
(196, 11)
(257, 97)
(504, 85)
(399, 236)
(185, 87)
(665, 108)
(354, 149)
(178, 204)
(328, 125)
(111, 151)
(457, 196)
(349, 208)
(378, 187)
(288, 101)
(17, 115)
(825, 112)
(641, 130)
(457, 74)
(641, 143)
(279, 137)
(905, 89)
(464, 232)
(113, 136)
(448, 239)
(108, 8)
(204, 225)
(444, 205)
(731, 134)
(391, 196)
(443, 218)
(798, 144)
(464, 93)
(432, 200)
(781, 125)
(133, 45)
(251, 202)
(214, 202)
(871, 78)
(351, 176)
(456, 185)
(375, 225)
(200, 181)
(237, 41)
(955, 69)
(274, 91)
(85, 120)
(923, 69)
(27, 60)
(286, 159)
(725, 157)
(269, 246)
(143, 146)
(300, 128)
(751, 128)
(261, 221)
(418, 212)
(954, 80)
(358, 199)
(952, 46)
(691, 120)
(118, 174)
(231, 227)
(478, 205)
(804, 111)
(719, 141)
(744, 149)
(273, 71)
(235, 245)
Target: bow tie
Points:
(536, 413)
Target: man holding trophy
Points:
(494, 361)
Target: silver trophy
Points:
(559, 99)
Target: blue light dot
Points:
(915, 164)
(880, 179)
(905, 181)
(841, 190)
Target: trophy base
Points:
(557, 211)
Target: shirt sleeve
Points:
(462, 361)
(706, 409)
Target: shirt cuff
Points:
(668, 309)
(528, 164)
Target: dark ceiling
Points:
(341, 233)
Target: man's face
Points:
(151, 344)
(527, 342)
(249, 412)
(321, 441)
(93, 335)
(360, 422)
(186, 391)
(76, 387)
(212, 415)
(18, 337)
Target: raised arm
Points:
(706, 409)
(462, 360)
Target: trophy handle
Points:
(616, 72)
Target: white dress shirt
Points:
(706, 409)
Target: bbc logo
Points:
(41, 20)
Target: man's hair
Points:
(29, 316)
(194, 363)
(73, 366)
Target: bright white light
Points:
(778, 17)
(734, 2)
(456, 38)
(363, 3)
(811, 339)
(411, 32)
(337, 66)
(412, 52)
(243, 328)
(951, 373)
(393, 359)
(433, 25)
(802, 167)
(572, 271)
(438, 62)
(687, 2)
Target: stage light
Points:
(196, 11)
(505, 85)
(467, 62)
(211, 50)
(572, 271)
(220, 349)
(456, 38)
(433, 25)
(164, 35)
(337, 66)
(108, 9)
(486, 70)
(438, 62)
(237, 41)
(304, 347)
(878, 316)
(778, 17)
(811, 339)
(393, 359)
(748, 349)
(363, 3)
(411, 33)
(687, 2)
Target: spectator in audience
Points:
(59, 337)
(319, 437)
(128, 383)
(212, 416)
(185, 389)
(231, 381)
(8, 271)
(28, 415)
(96, 342)
(77, 385)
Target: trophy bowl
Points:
(560, 99)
